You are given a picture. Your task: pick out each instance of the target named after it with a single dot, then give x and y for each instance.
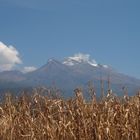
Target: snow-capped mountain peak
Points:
(80, 58)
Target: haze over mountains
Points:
(73, 72)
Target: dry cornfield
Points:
(38, 117)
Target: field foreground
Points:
(39, 117)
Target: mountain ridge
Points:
(68, 77)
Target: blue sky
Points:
(108, 30)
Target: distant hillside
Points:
(69, 74)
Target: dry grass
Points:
(41, 118)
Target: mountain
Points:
(73, 72)
(54, 72)
(11, 76)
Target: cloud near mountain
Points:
(29, 69)
(80, 57)
(9, 57)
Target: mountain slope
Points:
(67, 75)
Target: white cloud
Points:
(28, 69)
(80, 57)
(9, 57)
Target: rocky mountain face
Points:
(73, 72)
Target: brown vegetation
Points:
(42, 118)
